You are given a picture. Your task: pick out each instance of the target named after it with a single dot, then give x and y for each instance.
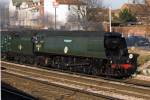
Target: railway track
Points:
(48, 83)
(11, 94)
(8, 94)
(131, 80)
(55, 84)
(95, 86)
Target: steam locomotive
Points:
(96, 53)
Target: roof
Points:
(138, 9)
(30, 2)
(147, 2)
(17, 3)
(71, 2)
(96, 14)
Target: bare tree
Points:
(48, 20)
(93, 3)
(78, 13)
(137, 1)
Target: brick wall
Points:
(133, 30)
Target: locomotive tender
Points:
(96, 53)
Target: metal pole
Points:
(47, 23)
(110, 28)
(78, 15)
(55, 4)
(78, 22)
(55, 18)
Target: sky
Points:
(114, 3)
(62, 10)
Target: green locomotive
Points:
(97, 53)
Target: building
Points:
(4, 16)
(28, 13)
(12, 15)
(97, 14)
(70, 2)
(147, 2)
(141, 11)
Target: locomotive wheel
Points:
(42, 61)
(30, 60)
(17, 59)
(3, 56)
(94, 71)
(22, 59)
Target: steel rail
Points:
(62, 86)
(130, 81)
(17, 94)
(60, 74)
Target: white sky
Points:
(61, 10)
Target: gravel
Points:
(143, 77)
(90, 89)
